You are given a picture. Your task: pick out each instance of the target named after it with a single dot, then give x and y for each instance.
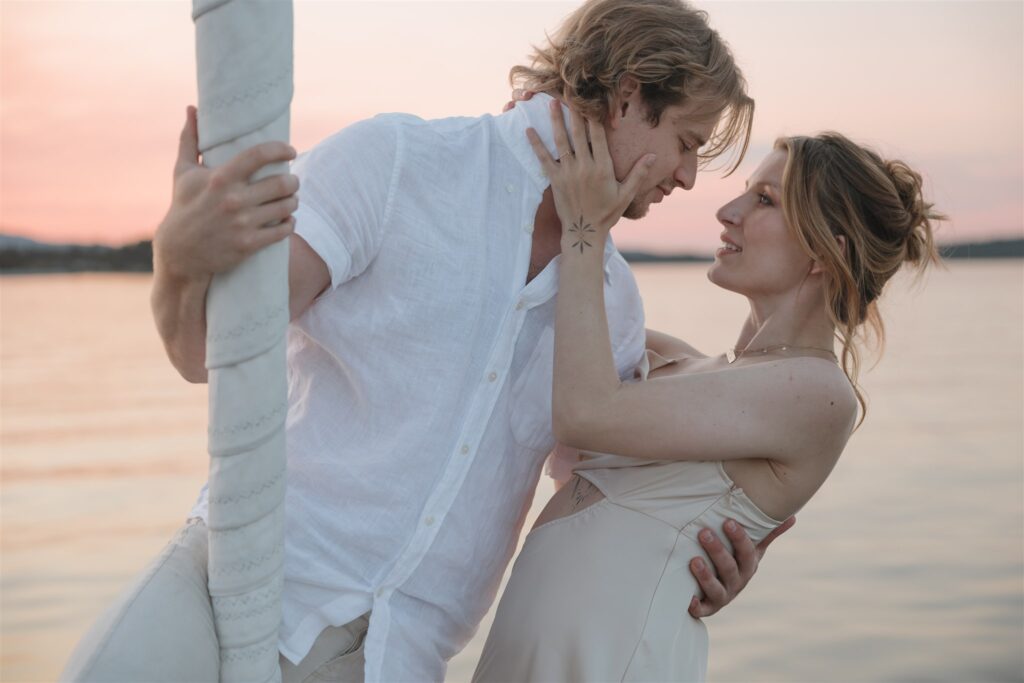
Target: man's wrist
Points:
(178, 278)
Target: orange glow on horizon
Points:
(93, 96)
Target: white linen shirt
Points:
(420, 382)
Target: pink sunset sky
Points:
(94, 93)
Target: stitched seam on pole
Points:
(249, 326)
(246, 565)
(225, 500)
(247, 425)
(254, 92)
(246, 447)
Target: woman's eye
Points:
(764, 199)
(687, 147)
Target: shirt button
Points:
(528, 227)
(491, 377)
(519, 306)
(510, 188)
(429, 521)
(464, 450)
(380, 592)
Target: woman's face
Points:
(759, 256)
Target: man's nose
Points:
(686, 172)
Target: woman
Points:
(599, 590)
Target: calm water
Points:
(906, 567)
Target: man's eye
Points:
(687, 147)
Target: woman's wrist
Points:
(582, 234)
(583, 242)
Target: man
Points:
(422, 298)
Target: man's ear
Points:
(625, 100)
(816, 268)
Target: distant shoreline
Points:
(20, 255)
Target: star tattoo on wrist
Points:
(581, 229)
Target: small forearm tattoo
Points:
(581, 230)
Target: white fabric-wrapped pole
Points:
(244, 64)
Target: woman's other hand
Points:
(518, 95)
(588, 197)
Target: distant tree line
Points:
(132, 258)
(26, 256)
(994, 249)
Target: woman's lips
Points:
(728, 247)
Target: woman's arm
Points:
(589, 200)
(776, 410)
(783, 410)
(667, 346)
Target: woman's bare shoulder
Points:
(823, 402)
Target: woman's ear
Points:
(816, 268)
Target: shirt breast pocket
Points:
(530, 414)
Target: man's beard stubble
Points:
(636, 209)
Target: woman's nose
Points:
(729, 213)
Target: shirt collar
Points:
(512, 125)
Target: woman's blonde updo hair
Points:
(832, 187)
(666, 45)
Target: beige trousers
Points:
(161, 630)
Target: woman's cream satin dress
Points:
(602, 594)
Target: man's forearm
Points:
(179, 310)
(217, 218)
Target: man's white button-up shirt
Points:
(420, 382)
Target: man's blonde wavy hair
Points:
(666, 46)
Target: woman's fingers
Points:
(518, 95)
(579, 134)
(599, 143)
(547, 162)
(587, 179)
(558, 128)
(637, 174)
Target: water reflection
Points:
(906, 566)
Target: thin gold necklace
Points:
(733, 355)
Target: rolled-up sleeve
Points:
(347, 185)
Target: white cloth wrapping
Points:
(244, 64)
